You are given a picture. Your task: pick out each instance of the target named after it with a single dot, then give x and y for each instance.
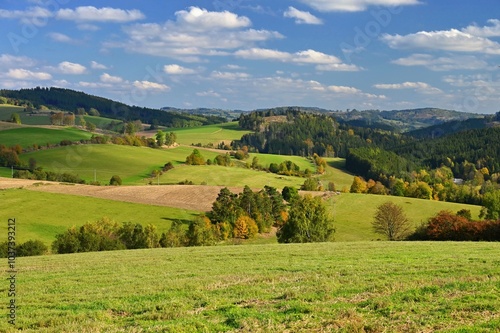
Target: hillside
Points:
(402, 120)
(322, 287)
(70, 101)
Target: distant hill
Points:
(455, 126)
(71, 101)
(402, 120)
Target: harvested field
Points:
(192, 197)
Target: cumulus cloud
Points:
(24, 74)
(105, 14)
(106, 78)
(33, 15)
(67, 67)
(446, 40)
(442, 63)
(193, 34)
(354, 5)
(202, 19)
(487, 31)
(151, 86)
(324, 62)
(178, 70)
(418, 86)
(229, 75)
(301, 17)
(208, 93)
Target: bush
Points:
(32, 248)
(115, 180)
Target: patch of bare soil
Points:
(192, 197)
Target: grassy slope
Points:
(44, 215)
(208, 134)
(328, 287)
(27, 136)
(135, 164)
(6, 112)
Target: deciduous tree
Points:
(391, 221)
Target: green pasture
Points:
(208, 134)
(353, 213)
(335, 172)
(41, 215)
(6, 112)
(325, 287)
(28, 136)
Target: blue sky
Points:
(248, 54)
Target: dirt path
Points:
(192, 197)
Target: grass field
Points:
(27, 136)
(208, 134)
(6, 112)
(135, 164)
(326, 287)
(44, 215)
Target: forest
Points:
(71, 101)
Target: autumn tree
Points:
(15, 118)
(358, 185)
(391, 221)
(308, 221)
(195, 158)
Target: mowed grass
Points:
(6, 112)
(27, 136)
(209, 134)
(44, 215)
(325, 287)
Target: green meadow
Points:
(208, 134)
(322, 287)
(28, 136)
(42, 216)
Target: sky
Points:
(253, 54)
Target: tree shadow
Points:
(337, 164)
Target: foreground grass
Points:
(44, 215)
(328, 287)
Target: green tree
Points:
(90, 126)
(308, 221)
(133, 236)
(290, 193)
(391, 221)
(175, 236)
(200, 232)
(31, 248)
(491, 204)
(195, 158)
(15, 118)
(160, 138)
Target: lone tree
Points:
(391, 221)
(115, 180)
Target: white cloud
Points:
(195, 33)
(442, 63)
(61, 38)
(96, 65)
(7, 60)
(354, 5)
(178, 70)
(151, 86)
(343, 90)
(87, 27)
(324, 62)
(105, 14)
(201, 19)
(447, 40)
(33, 15)
(486, 31)
(301, 17)
(229, 75)
(106, 78)
(418, 86)
(208, 93)
(24, 74)
(67, 67)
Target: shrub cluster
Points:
(446, 226)
(26, 249)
